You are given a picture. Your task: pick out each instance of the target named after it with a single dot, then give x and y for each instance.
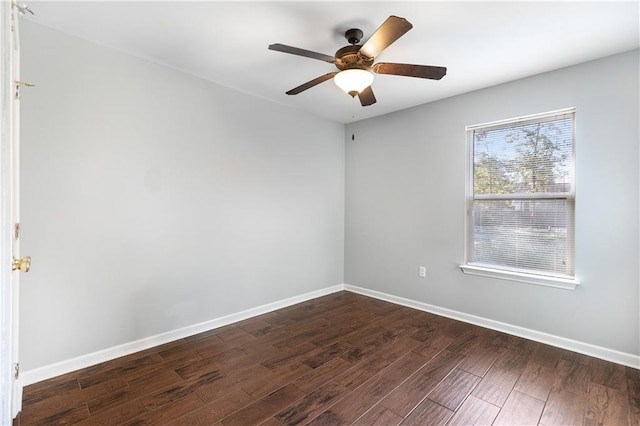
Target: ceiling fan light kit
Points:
(355, 62)
(353, 81)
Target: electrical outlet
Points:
(423, 271)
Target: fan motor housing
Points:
(348, 58)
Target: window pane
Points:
(520, 195)
(524, 157)
(532, 235)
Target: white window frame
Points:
(497, 271)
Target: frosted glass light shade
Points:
(352, 82)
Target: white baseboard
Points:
(622, 358)
(53, 370)
(33, 376)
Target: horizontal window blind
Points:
(520, 201)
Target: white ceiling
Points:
(481, 43)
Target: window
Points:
(520, 199)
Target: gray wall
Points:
(405, 191)
(153, 200)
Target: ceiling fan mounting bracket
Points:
(354, 35)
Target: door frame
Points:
(8, 403)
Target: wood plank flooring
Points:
(338, 360)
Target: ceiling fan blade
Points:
(301, 52)
(311, 83)
(367, 97)
(410, 70)
(390, 30)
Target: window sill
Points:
(564, 283)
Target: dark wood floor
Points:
(343, 359)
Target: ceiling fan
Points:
(355, 62)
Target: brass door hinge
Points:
(16, 371)
(16, 232)
(22, 83)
